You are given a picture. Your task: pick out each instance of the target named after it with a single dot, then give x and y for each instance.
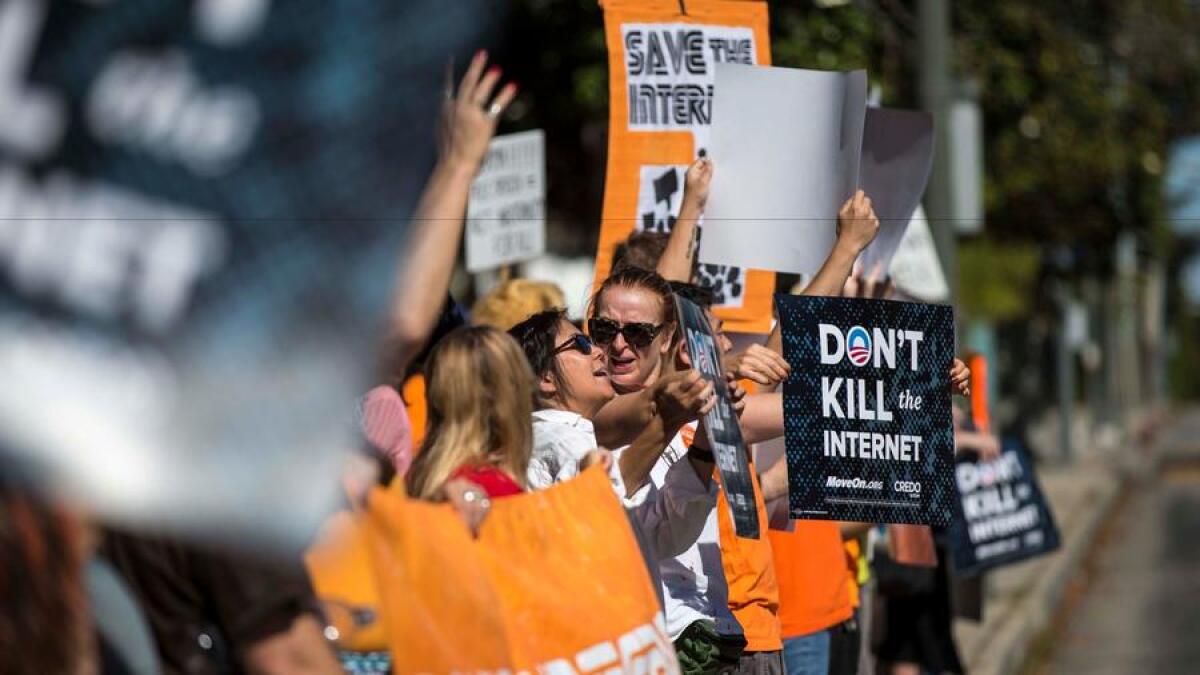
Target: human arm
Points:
(680, 397)
(435, 232)
(857, 226)
(677, 259)
(674, 514)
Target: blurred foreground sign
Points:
(506, 216)
(201, 205)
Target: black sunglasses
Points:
(640, 335)
(578, 342)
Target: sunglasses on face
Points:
(579, 342)
(638, 334)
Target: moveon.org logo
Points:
(858, 346)
(853, 483)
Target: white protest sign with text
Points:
(787, 145)
(506, 214)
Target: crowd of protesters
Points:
(515, 398)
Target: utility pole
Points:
(936, 85)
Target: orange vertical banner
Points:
(979, 388)
(660, 63)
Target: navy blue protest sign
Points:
(721, 424)
(867, 415)
(1004, 517)
(202, 206)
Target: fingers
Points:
(448, 87)
(483, 90)
(506, 96)
(466, 88)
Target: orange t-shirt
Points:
(853, 551)
(750, 573)
(812, 577)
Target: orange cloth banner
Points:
(660, 64)
(555, 582)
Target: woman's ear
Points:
(668, 337)
(682, 356)
(547, 386)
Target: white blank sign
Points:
(786, 145)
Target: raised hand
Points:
(857, 224)
(871, 285)
(696, 184)
(469, 116)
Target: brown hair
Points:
(641, 249)
(635, 277)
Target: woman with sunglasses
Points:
(572, 385)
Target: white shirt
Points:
(670, 513)
(694, 585)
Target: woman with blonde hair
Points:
(479, 438)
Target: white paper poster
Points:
(506, 214)
(916, 269)
(787, 145)
(897, 155)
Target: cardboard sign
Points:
(1004, 516)
(867, 414)
(786, 144)
(897, 156)
(200, 212)
(506, 215)
(661, 63)
(721, 423)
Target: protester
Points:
(480, 393)
(421, 309)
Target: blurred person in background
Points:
(513, 301)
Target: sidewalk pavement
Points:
(1023, 599)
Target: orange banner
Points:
(660, 64)
(555, 582)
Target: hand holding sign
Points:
(699, 177)
(960, 378)
(857, 224)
